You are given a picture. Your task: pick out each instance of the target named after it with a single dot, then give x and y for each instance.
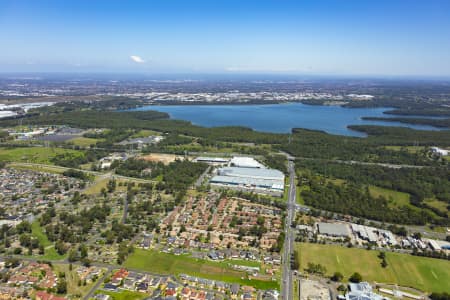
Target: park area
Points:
(426, 274)
(163, 263)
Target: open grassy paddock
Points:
(50, 252)
(73, 279)
(83, 141)
(440, 205)
(37, 168)
(427, 274)
(145, 133)
(38, 155)
(395, 198)
(162, 263)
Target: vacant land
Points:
(164, 158)
(37, 168)
(50, 252)
(38, 155)
(145, 133)
(440, 205)
(427, 274)
(96, 187)
(411, 149)
(84, 141)
(163, 263)
(74, 285)
(124, 295)
(395, 199)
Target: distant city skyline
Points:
(332, 37)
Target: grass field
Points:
(37, 168)
(441, 205)
(395, 199)
(411, 149)
(83, 141)
(38, 155)
(124, 295)
(299, 197)
(72, 279)
(144, 133)
(423, 273)
(163, 263)
(50, 252)
(96, 187)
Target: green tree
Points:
(337, 276)
(355, 278)
(61, 286)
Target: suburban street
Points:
(287, 284)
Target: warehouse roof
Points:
(252, 173)
(246, 181)
(245, 162)
(333, 229)
(212, 159)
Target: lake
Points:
(279, 118)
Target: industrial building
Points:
(140, 142)
(362, 291)
(247, 174)
(333, 229)
(214, 161)
(246, 162)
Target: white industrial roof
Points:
(333, 229)
(245, 162)
(212, 159)
(246, 181)
(252, 173)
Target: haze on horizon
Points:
(327, 37)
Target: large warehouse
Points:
(255, 178)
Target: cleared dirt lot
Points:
(159, 157)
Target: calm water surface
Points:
(279, 118)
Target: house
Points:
(41, 295)
(439, 151)
(128, 284)
(234, 288)
(110, 287)
(102, 297)
(142, 287)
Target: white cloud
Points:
(137, 59)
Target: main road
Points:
(287, 283)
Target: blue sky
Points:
(340, 37)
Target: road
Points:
(287, 283)
(202, 177)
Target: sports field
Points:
(162, 263)
(427, 274)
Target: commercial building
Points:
(439, 151)
(333, 229)
(263, 174)
(245, 162)
(214, 161)
(247, 174)
(362, 291)
(140, 142)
